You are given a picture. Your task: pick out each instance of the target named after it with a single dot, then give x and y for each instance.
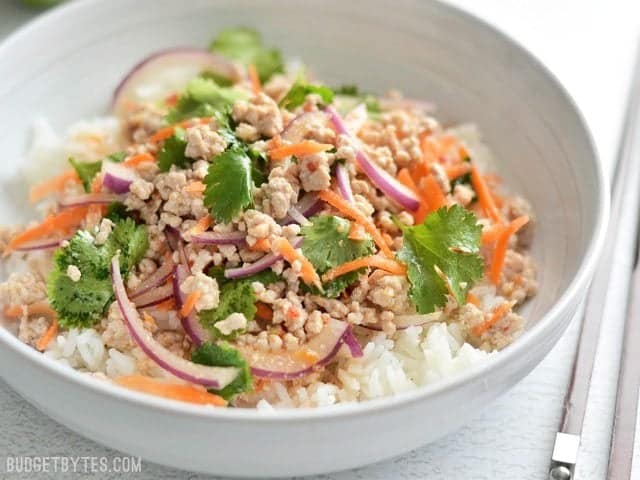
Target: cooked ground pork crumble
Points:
(286, 310)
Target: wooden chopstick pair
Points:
(621, 247)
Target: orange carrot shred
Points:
(492, 233)
(500, 251)
(428, 149)
(261, 245)
(307, 272)
(167, 305)
(59, 223)
(471, 298)
(458, 170)
(185, 393)
(433, 194)
(52, 185)
(484, 195)
(348, 210)
(306, 147)
(357, 232)
(162, 134)
(201, 225)
(37, 308)
(372, 261)
(499, 312)
(423, 210)
(190, 303)
(136, 160)
(49, 335)
(256, 86)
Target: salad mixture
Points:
(238, 233)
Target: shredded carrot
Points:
(307, 356)
(307, 272)
(52, 185)
(49, 335)
(357, 232)
(261, 245)
(190, 303)
(59, 223)
(185, 393)
(255, 79)
(500, 251)
(194, 187)
(38, 308)
(136, 160)
(499, 312)
(471, 298)
(167, 305)
(372, 261)
(458, 170)
(432, 193)
(194, 121)
(13, 312)
(264, 311)
(492, 233)
(171, 100)
(428, 149)
(162, 134)
(423, 210)
(306, 147)
(404, 177)
(484, 195)
(202, 225)
(348, 210)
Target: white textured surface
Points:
(590, 46)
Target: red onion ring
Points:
(379, 177)
(156, 279)
(45, 244)
(116, 177)
(352, 343)
(219, 238)
(154, 297)
(190, 323)
(344, 184)
(210, 377)
(308, 206)
(90, 199)
(258, 266)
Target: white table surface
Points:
(589, 45)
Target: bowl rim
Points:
(580, 280)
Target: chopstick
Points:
(620, 248)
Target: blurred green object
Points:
(41, 3)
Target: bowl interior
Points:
(468, 71)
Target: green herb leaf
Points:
(224, 355)
(351, 96)
(228, 184)
(442, 256)
(245, 46)
(83, 303)
(117, 211)
(203, 97)
(86, 171)
(117, 157)
(326, 244)
(299, 91)
(172, 151)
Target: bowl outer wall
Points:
(311, 442)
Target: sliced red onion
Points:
(299, 128)
(210, 377)
(308, 206)
(90, 199)
(45, 244)
(168, 71)
(190, 323)
(356, 118)
(116, 177)
(157, 278)
(379, 177)
(352, 343)
(290, 364)
(388, 103)
(258, 266)
(344, 184)
(220, 238)
(297, 216)
(154, 297)
(402, 322)
(174, 239)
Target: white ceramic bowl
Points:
(66, 64)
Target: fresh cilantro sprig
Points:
(173, 151)
(88, 170)
(326, 244)
(202, 97)
(83, 303)
(245, 46)
(224, 355)
(351, 96)
(236, 296)
(297, 95)
(442, 257)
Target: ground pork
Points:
(279, 193)
(203, 142)
(23, 288)
(391, 293)
(315, 171)
(31, 329)
(208, 288)
(514, 207)
(143, 121)
(518, 277)
(262, 113)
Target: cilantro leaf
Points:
(117, 157)
(326, 244)
(224, 355)
(83, 303)
(352, 96)
(245, 46)
(172, 151)
(203, 97)
(236, 296)
(86, 171)
(228, 184)
(297, 95)
(442, 256)
(116, 211)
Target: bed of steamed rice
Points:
(412, 358)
